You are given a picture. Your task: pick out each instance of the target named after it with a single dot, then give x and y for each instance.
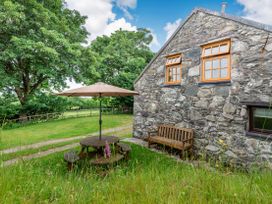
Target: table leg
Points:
(82, 154)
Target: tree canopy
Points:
(120, 58)
(43, 43)
(41, 46)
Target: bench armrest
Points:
(188, 140)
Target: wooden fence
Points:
(68, 114)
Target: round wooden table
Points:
(96, 143)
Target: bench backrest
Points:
(175, 133)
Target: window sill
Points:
(256, 103)
(219, 83)
(256, 135)
(169, 85)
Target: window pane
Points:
(215, 73)
(215, 63)
(178, 77)
(262, 118)
(215, 50)
(224, 63)
(208, 65)
(224, 48)
(178, 70)
(224, 73)
(170, 75)
(208, 74)
(207, 51)
(174, 77)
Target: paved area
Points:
(195, 163)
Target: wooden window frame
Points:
(219, 56)
(251, 121)
(169, 66)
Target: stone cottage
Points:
(213, 75)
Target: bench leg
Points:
(149, 143)
(181, 154)
(190, 153)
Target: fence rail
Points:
(65, 115)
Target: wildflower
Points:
(107, 151)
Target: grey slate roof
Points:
(237, 19)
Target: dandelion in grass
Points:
(107, 151)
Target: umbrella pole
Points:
(100, 117)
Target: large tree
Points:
(40, 46)
(120, 58)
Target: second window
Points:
(216, 62)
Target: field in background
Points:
(31, 119)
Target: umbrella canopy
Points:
(99, 89)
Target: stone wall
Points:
(214, 111)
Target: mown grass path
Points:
(40, 154)
(55, 141)
(59, 129)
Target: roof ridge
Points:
(238, 19)
(241, 20)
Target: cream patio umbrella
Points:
(100, 90)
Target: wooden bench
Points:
(124, 149)
(178, 138)
(71, 158)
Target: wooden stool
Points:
(124, 149)
(71, 158)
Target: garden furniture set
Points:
(99, 156)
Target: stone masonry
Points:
(214, 111)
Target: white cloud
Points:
(127, 3)
(258, 10)
(101, 19)
(72, 84)
(124, 5)
(155, 44)
(171, 27)
(117, 24)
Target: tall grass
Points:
(147, 177)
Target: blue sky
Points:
(162, 17)
(155, 14)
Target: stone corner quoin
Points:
(213, 111)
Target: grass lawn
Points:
(147, 178)
(58, 129)
(122, 134)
